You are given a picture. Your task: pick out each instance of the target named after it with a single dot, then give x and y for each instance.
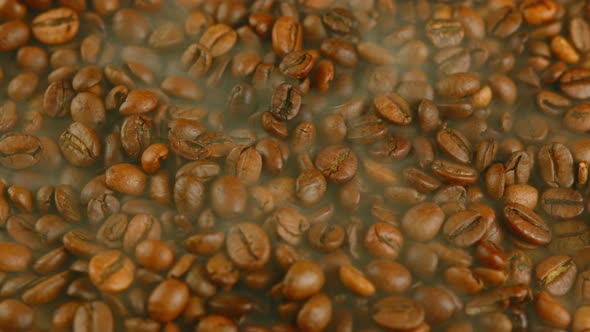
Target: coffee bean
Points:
(93, 316)
(15, 315)
(504, 21)
(355, 281)
(302, 280)
(290, 225)
(228, 196)
(464, 228)
(574, 83)
(556, 165)
(141, 227)
(397, 312)
(563, 203)
(80, 145)
(167, 300)
(248, 246)
(111, 271)
(316, 313)
(458, 85)
(340, 51)
(14, 34)
(18, 151)
(423, 221)
(526, 224)
(46, 290)
(454, 144)
(393, 108)
(454, 172)
(215, 322)
(337, 163)
(15, 257)
(126, 178)
(297, 64)
(286, 102)
(570, 236)
(383, 240)
(286, 35)
(56, 26)
(556, 274)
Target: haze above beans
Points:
(294, 165)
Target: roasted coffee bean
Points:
(167, 300)
(290, 225)
(563, 203)
(556, 165)
(297, 64)
(454, 144)
(556, 274)
(466, 227)
(14, 34)
(286, 102)
(286, 35)
(383, 240)
(56, 26)
(248, 246)
(423, 221)
(458, 85)
(570, 236)
(80, 145)
(18, 151)
(397, 312)
(93, 316)
(518, 168)
(340, 51)
(337, 163)
(393, 108)
(228, 196)
(126, 178)
(526, 224)
(574, 83)
(111, 271)
(454, 172)
(303, 279)
(15, 315)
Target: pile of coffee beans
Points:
(294, 165)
